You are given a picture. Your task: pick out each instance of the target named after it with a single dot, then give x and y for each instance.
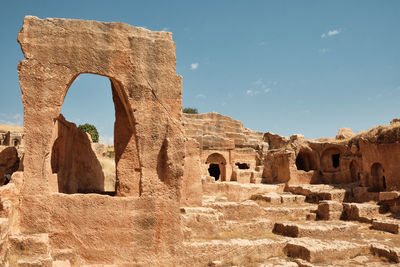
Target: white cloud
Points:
(259, 87)
(201, 96)
(331, 33)
(324, 50)
(106, 139)
(194, 66)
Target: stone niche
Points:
(140, 222)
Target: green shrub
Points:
(190, 111)
(90, 129)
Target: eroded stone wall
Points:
(226, 143)
(140, 224)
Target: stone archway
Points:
(148, 135)
(378, 177)
(216, 166)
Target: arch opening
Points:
(305, 161)
(217, 166)
(80, 162)
(214, 171)
(330, 160)
(378, 177)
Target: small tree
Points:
(90, 129)
(190, 111)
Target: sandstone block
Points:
(314, 250)
(288, 198)
(385, 196)
(270, 198)
(29, 245)
(322, 229)
(363, 212)
(391, 226)
(329, 210)
(392, 254)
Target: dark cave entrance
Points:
(214, 171)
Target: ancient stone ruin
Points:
(189, 189)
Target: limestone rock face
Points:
(344, 133)
(142, 222)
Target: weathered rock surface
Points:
(141, 225)
(314, 229)
(392, 254)
(363, 212)
(387, 225)
(344, 133)
(329, 210)
(314, 250)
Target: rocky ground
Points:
(312, 227)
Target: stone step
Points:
(234, 191)
(246, 210)
(387, 225)
(200, 222)
(246, 227)
(329, 210)
(314, 229)
(275, 198)
(231, 252)
(288, 213)
(318, 251)
(229, 229)
(390, 253)
(211, 199)
(316, 193)
(362, 212)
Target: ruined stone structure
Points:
(10, 138)
(229, 152)
(247, 156)
(188, 190)
(301, 181)
(141, 223)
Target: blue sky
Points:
(288, 67)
